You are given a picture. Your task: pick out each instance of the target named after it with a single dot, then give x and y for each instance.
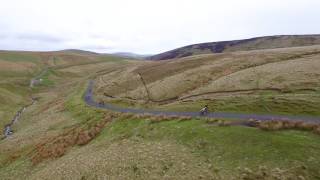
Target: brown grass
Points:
(59, 145)
(204, 77)
(217, 122)
(264, 173)
(57, 102)
(154, 118)
(16, 66)
(282, 125)
(13, 156)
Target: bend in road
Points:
(88, 98)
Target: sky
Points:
(147, 26)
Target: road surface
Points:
(88, 98)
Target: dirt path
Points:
(88, 98)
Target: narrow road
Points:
(88, 98)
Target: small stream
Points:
(33, 82)
(8, 128)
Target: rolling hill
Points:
(17, 68)
(283, 80)
(267, 42)
(78, 51)
(61, 136)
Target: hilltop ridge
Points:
(266, 42)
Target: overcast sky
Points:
(147, 26)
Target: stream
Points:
(33, 82)
(8, 128)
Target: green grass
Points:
(115, 59)
(14, 85)
(46, 80)
(78, 109)
(15, 94)
(12, 97)
(15, 89)
(263, 104)
(226, 147)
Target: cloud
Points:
(145, 26)
(41, 38)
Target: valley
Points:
(68, 136)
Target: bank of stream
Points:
(8, 130)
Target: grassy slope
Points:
(135, 148)
(282, 81)
(226, 148)
(18, 68)
(268, 42)
(184, 149)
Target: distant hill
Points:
(267, 42)
(78, 51)
(130, 55)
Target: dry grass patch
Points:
(274, 125)
(264, 173)
(11, 157)
(56, 103)
(128, 159)
(153, 118)
(16, 66)
(217, 122)
(58, 146)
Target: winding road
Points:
(88, 98)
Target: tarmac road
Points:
(88, 98)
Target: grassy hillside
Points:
(268, 42)
(62, 137)
(18, 68)
(78, 51)
(279, 81)
(57, 139)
